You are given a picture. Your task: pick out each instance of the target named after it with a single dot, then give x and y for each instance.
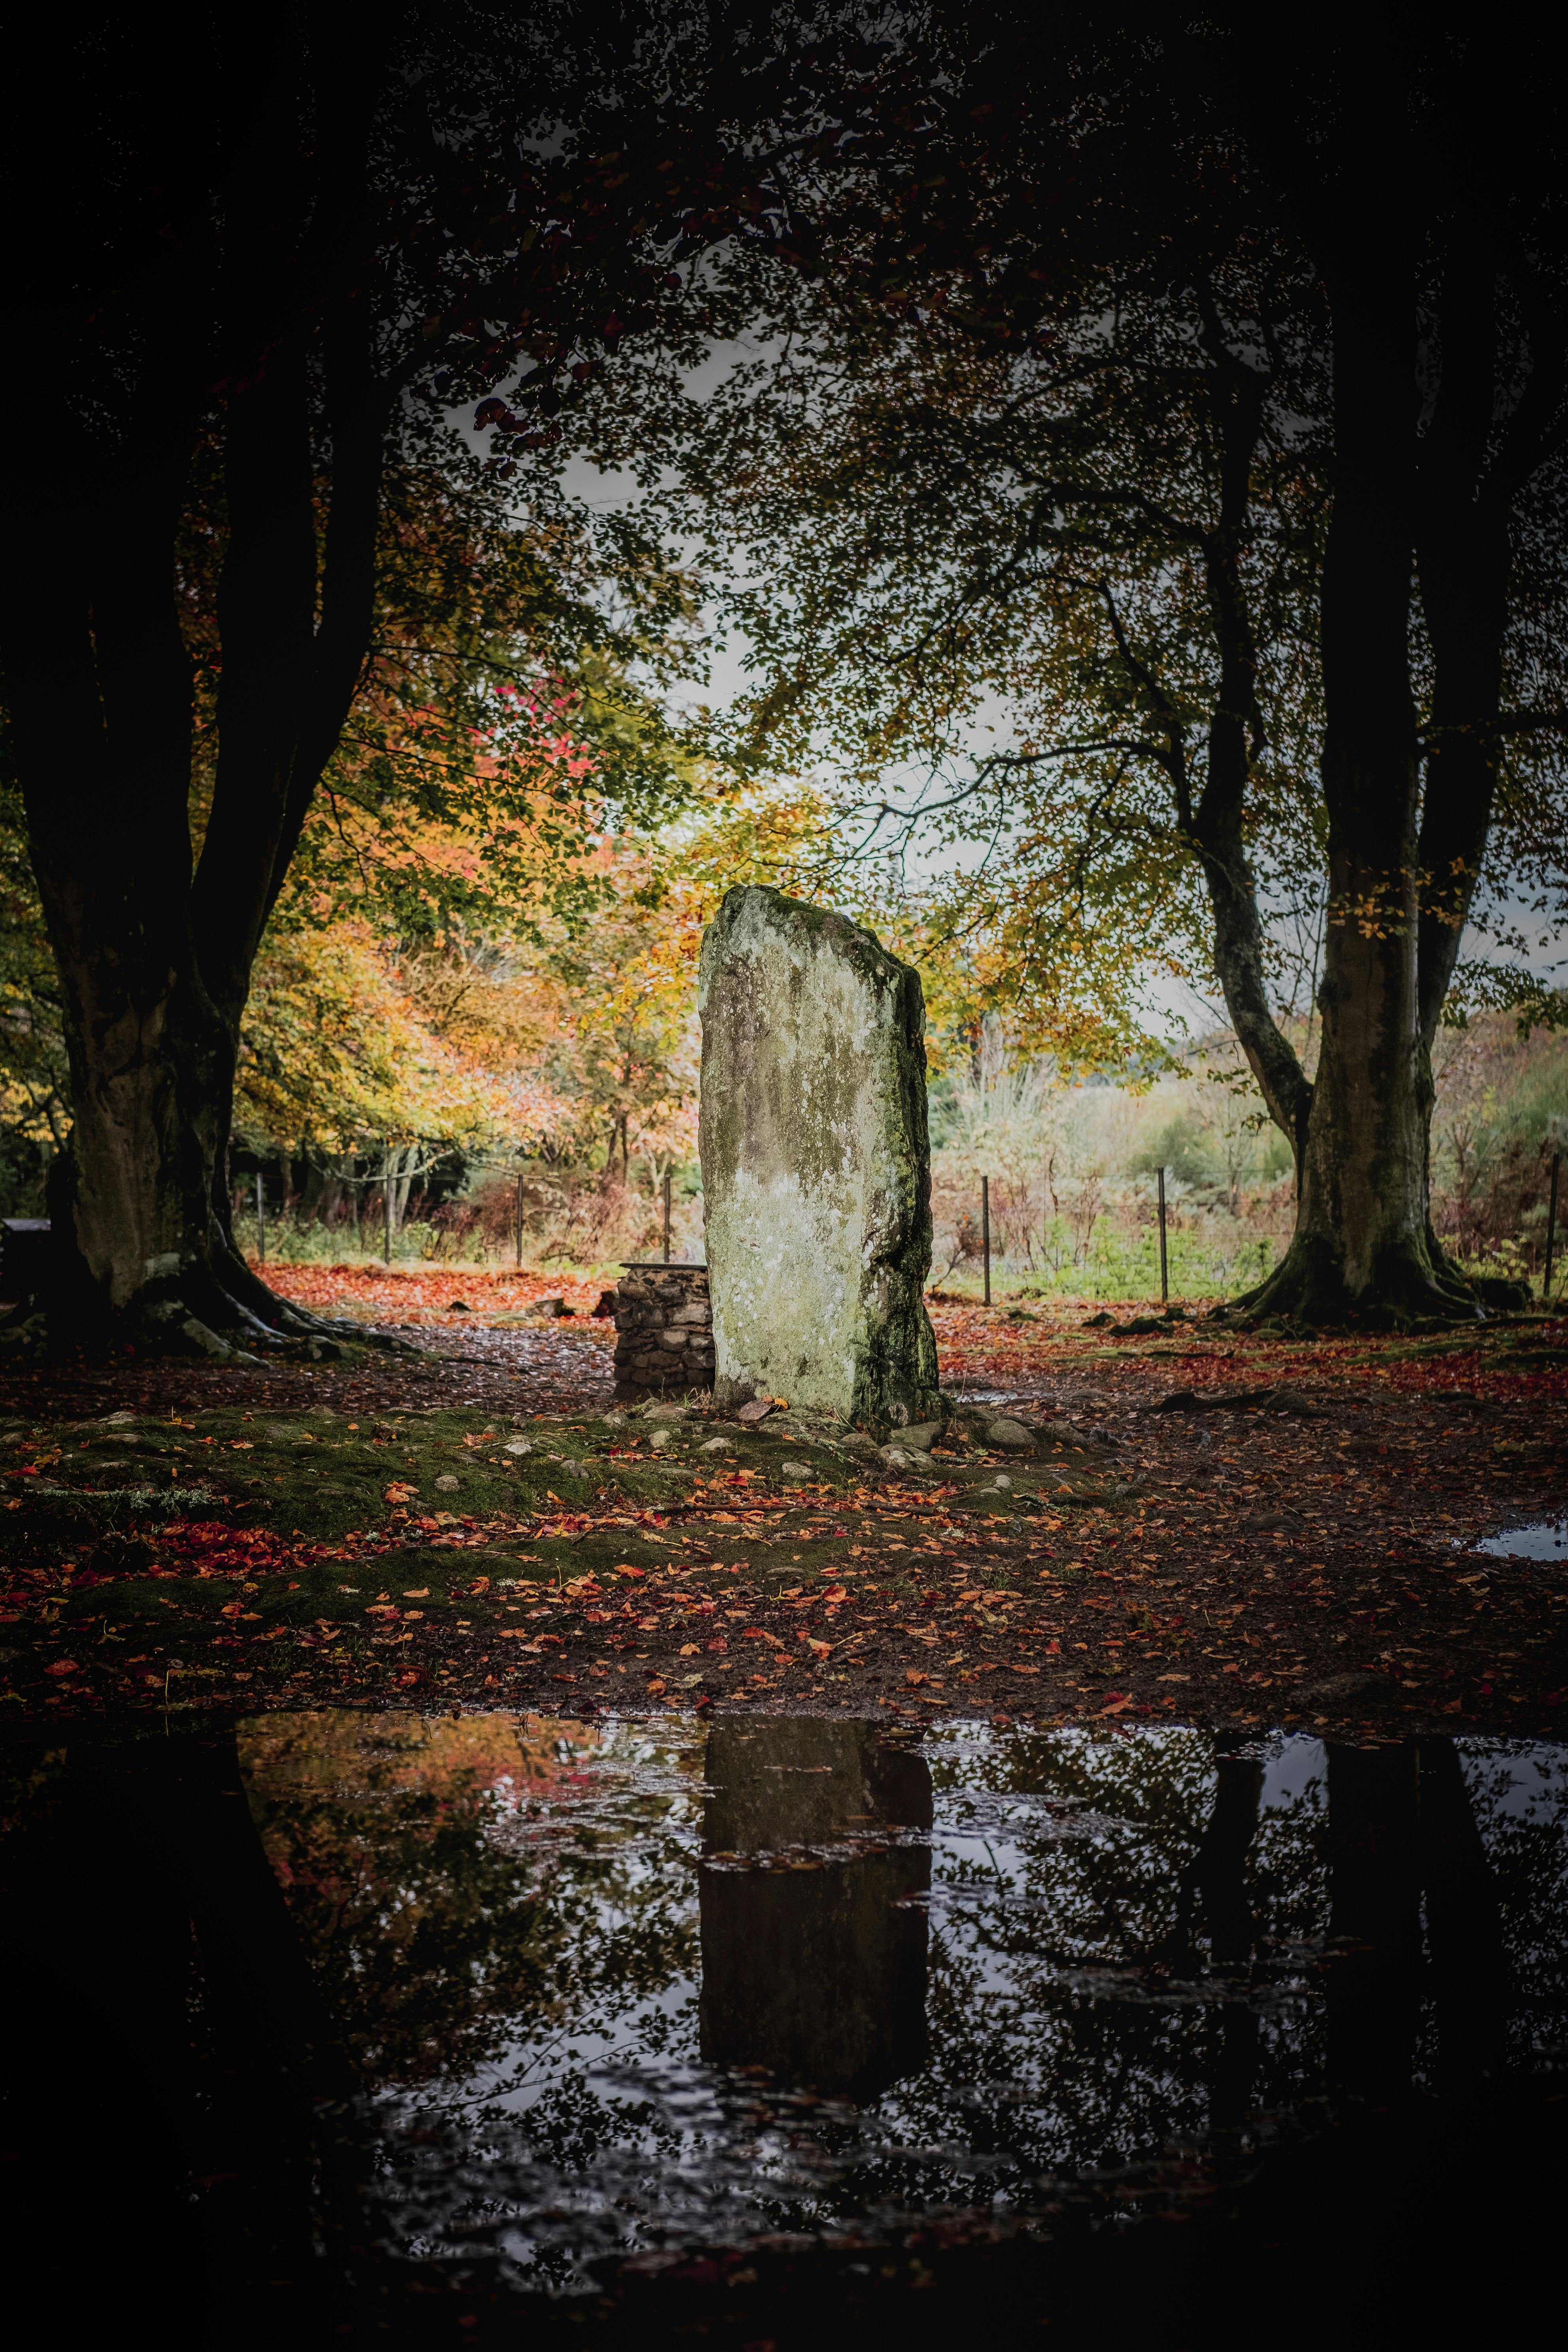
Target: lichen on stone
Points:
(815, 1162)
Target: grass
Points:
(1123, 1270)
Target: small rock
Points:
(798, 1474)
(665, 1412)
(757, 1410)
(1098, 1322)
(922, 1436)
(447, 1483)
(659, 1438)
(897, 1457)
(1000, 1484)
(1011, 1436)
(521, 1445)
(614, 1421)
(716, 1446)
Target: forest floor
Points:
(1204, 1528)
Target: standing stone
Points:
(815, 1164)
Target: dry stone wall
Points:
(664, 1328)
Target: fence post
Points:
(1165, 1271)
(262, 1224)
(666, 1216)
(518, 1220)
(386, 1204)
(1550, 1227)
(985, 1232)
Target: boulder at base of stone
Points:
(815, 1164)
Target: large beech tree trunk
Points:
(1424, 482)
(154, 947)
(1362, 1225)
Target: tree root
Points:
(221, 1312)
(1412, 1289)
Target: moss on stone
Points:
(817, 1163)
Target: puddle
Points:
(1542, 1540)
(639, 1992)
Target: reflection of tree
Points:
(1519, 1793)
(1374, 1917)
(173, 2031)
(1217, 1876)
(818, 1975)
(443, 1911)
(1464, 1921)
(1048, 2004)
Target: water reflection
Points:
(1541, 1539)
(814, 1926)
(638, 1988)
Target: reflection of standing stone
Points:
(820, 1974)
(815, 1162)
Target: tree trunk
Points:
(1363, 1245)
(206, 335)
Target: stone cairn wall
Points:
(664, 1328)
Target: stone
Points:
(447, 1484)
(757, 1409)
(798, 1474)
(815, 1164)
(899, 1457)
(717, 1446)
(658, 1437)
(1010, 1434)
(922, 1435)
(665, 1412)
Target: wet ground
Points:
(478, 1869)
(775, 2030)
